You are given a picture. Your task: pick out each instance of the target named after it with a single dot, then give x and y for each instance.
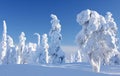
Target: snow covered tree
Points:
(38, 49)
(38, 38)
(21, 48)
(4, 44)
(78, 56)
(97, 39)
(30, 53)
(56, 53)
(75, 57)
(72, 58)
(11, 52)
(44, 58)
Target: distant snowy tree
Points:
(44, 58)
(38, 49)
(30, 54)
(38, 38)
(56, 53)
(21, 48)
(72, 58)
(97, 39)
(11, 52)
(78, 56)
(4, 44)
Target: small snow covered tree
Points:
(56, 53)
(38, 44)
(30, 53)
(44, 58)
(78, 56)
(4, 44)
(11, 52)
(21, 48)
(38, 49)
(72, 58)
(97, 39)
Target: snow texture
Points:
(56, 70)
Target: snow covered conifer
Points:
(30, 53)
(11, 52)
(38, 38)
(72, 58)
(56, 53)
(97, 39)
(21, 48)
(78, 56)
(4, 44)
(44, 58)
(38, 49)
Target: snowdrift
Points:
(54, 70)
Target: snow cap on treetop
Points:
(90, 20)
(55, 23)
(38, 38)
(54, 16)
(10, 41)
(4, 26)
(83, 17)
(44, 35)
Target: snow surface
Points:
(81, 69)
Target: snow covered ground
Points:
(81, 69)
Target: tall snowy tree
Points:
(11, 52)
(56, 53)
(38, 49)
(4, 44)
(44, 58)
(97, 39)
(21, 48)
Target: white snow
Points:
(80, 69)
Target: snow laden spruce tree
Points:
(44, 58)
(55, 51)
(38, 42)
(97, 39)
(30, 53)
(38, 48)
(78, 57)
(21, 48)
(11, 52)
(4, 44)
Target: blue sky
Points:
(32, 16)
